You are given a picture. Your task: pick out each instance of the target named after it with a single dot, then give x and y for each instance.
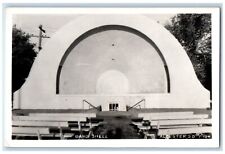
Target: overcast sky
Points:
(52, 23)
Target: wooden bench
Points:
(30, 131)
(175, 131)
(86, 115)
(144, 128)
(34, 125)
(175, 123)
(137, 123)
(165, 114)
(48, 118)
(180, 123)
(40, 133)
(39, 124)
(173, 117)
(94, 122)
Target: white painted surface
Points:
(181, 122)
(39, 91)
(173, 117)
(29, 130)
(97, 58)
(40, 123)
(185, 130)
(79, 115)
(49, 118)
(112, 82)
(165, 114)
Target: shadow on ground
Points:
(117, 127)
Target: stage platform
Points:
(133, 112)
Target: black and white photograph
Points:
(140, 75)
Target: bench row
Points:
(173, 123)
(53, 125)
(171, 116)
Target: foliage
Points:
(193, 31)
(23, 55)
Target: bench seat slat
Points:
(48, 118)
(181, 121)
(164, 117)
(64, 114)
(175, 126)
(137, 123)
(166, 113)
(40, 123)
(144, 127)
(206, 129)
(29, 130)
(23, 134)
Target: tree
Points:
(23, 55)
(193, 31)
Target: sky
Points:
(30, 23)
(51, 23)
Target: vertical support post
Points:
(79, 127)
(40, 38)
(158, 125)
(83, 106)
(90, 124)
(60, 132)
(200, 125)
(38, 135)
(90, 133)
(144, 103)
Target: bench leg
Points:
(38, 135)
(61, 134)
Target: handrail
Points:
(135, 104)
(90, 104)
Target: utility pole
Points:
(40, 36)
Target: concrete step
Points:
(113, 114)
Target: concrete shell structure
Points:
(118, 59)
